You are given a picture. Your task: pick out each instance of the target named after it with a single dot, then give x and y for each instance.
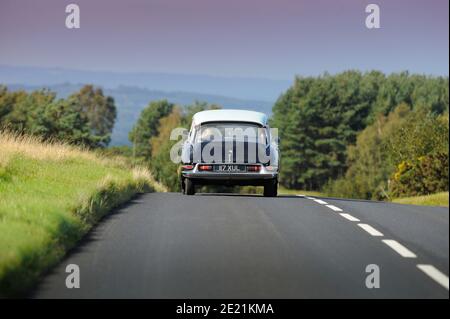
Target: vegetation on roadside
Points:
(152, 146)
(50, 196)
(439, 199)
(85, 118)
(365, 135)
(319, 117)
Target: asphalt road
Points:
(166, 245)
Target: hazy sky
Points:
(274, 39)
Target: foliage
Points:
(160, 144)
(426, 175)
(147, 126)
(164, 169)
(100, 111)
(85, 118)
(403, 154)
(423, 133)
(319, 118)
(419, 149)
(368, 166)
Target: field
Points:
(50, 196)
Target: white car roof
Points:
(227, 115)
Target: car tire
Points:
(271, 188)
(189, 187)
(182, 186)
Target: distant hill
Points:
(131, 100)
(243, 88)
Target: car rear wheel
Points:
(189, 187)
(182, 186)
(271, 188)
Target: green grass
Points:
(439, 199)
(50, 196)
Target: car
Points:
(230, 147)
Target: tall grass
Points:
(50, 196)
(439, 199)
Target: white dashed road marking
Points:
(336, 209)
(349, 217)
(399, 248)
(435, 274)
(372, 231)
(429, 270)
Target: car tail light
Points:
(188, 167)
(253, 168)
(205, 167)
(270, 168)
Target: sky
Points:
(274, 39)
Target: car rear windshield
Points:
(237, 131)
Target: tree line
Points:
(364, 134)
(84, 118)
(353, 134)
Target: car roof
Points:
(229, 115)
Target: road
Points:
(166, 245)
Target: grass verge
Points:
(439, 199)
(50, 196)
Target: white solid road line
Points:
(349, 217)
(372, 231)
(435, 274)
(336, 209)
(300, 195)
(321, 202)
(399, 248)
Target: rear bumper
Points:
(245, 178)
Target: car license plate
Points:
(229, 168)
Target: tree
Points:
(99, 110)
(319, 117)
(368, 166)
(160, 144)
(147, 126)
(163, 168)
(418, 150)
(61, 121)
(17, 108)
(76, 120)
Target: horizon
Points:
(248, 77)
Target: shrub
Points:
(426, 175)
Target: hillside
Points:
(246, 88)
(51, 195)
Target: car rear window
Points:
(231, 131)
